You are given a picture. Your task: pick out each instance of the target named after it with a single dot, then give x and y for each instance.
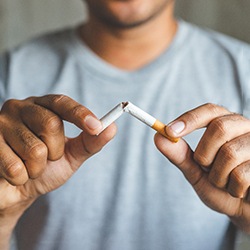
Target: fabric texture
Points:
(128, 196)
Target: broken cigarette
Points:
(112, 115)
(138, 113)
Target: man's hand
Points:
(35, 155)
(219, 168)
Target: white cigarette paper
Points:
(112, 115)
(138, 113)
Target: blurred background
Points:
(21, 20)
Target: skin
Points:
(219, 167)
(36, 157)
(129, 34)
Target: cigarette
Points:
(148, 120)
(112, 115)
(138, 113)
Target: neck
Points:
(131, 48)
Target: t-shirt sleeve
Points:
(4, 65)
(245, 66)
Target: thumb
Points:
(79, 149)
(181, 155)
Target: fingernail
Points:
(177, 127)
(92, 123)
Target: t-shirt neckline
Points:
(93, 62)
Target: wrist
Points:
(242, 224)
(12, 214)
(8, 220)
(7, 225)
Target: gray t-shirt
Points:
(128, 196)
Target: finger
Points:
(11, 166)
(71, 111)
(239, 180)
(181, 155)
(231, 154)
(47, 126)
(219, 131)
(79, 149)
(32, 151)
(194, 119)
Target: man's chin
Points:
(127, 14)
(124, 24)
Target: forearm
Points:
(8, 221)
(242, 224)
(6, 229)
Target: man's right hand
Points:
(35, 155)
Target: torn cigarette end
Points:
(138, 113)
(160, 127)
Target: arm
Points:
(8, 220)
(36, 157)
(219, 168)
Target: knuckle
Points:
(215, 180)
(33, 148)
(55, 99)
(14, 170)
(236, 193)
(4, 122)
(79, 111)
(213, 177)
(211, 106)
(37, 151)
(215, 109)
(53, 124)
(238, 175)
(218, 127)
(228, 153)
(201, 159)
(193, 117)
(236, 189)
(29, 109)
(10, 105)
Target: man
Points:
(128, 196)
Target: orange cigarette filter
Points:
(138, 113)
(148, 120)
(160, 128)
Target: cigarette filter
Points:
(138, 113)
(148, 120)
